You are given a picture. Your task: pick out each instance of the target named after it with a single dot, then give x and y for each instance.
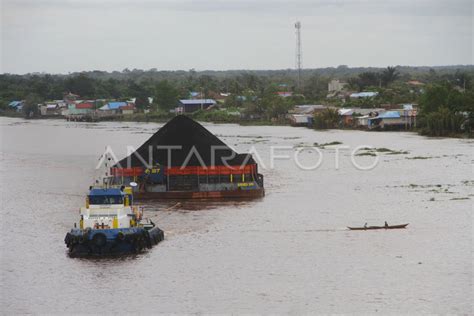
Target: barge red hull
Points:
(235, 194)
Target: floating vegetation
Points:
(367, 154)
(412, 185)
(299, 145)
(382, 150)
(444, 190)
(419, 157)
(241, 136)
(327, 144)
(255, 141)
(431, 188)
(441, 190)
(322, 146)
(398, 152)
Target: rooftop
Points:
(197, 101)
(389, 114)
(14, 104)
(113, 105)
(364, 94)
(84, 105)
(109, 191)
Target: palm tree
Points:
(389, 75)
(462, 79)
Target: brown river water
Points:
(289, 252)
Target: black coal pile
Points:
(188, 134)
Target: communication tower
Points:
(299, 52)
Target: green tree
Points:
(328, 118)
(139, 93)
(443, 122)
(166, 95)
(462, 80)
(389, 75)
(81, 85)
(365, 80)
(446, 111)
(434, 97)
(316, 87)
(30, 106)
(271, 104)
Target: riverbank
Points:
(202, 116)
(163, 118)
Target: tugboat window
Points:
(105, 199)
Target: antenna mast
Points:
(299, 52)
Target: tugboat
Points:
(111, 225)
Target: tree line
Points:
(446, 90)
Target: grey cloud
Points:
(304, 7)
(231, 34)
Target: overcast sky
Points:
(61, 36)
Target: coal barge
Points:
(183, 160)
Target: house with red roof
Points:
(80, 108)
(285, 94)
(128, 109)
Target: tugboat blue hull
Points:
(106, 242)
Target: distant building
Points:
(79, 111)
(81, 108)
(285, 94)
(218, 97)
(415, 83)
(357, 116)
(127, 109)
(393, 120)
(308, 109)
(70, 97)
(363, 95)
(300, 119)
(191, 105)
(385, 119)
(302, 115)
(194, 95)
(17, 105)
(347, 116)
(50, 108)
(113, 106)
(243, 98)
(363, 121)
(336, 85)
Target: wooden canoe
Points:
(379, 227)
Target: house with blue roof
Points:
(192, 105)
(113, 106)
(17, 105)
(387, 120)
